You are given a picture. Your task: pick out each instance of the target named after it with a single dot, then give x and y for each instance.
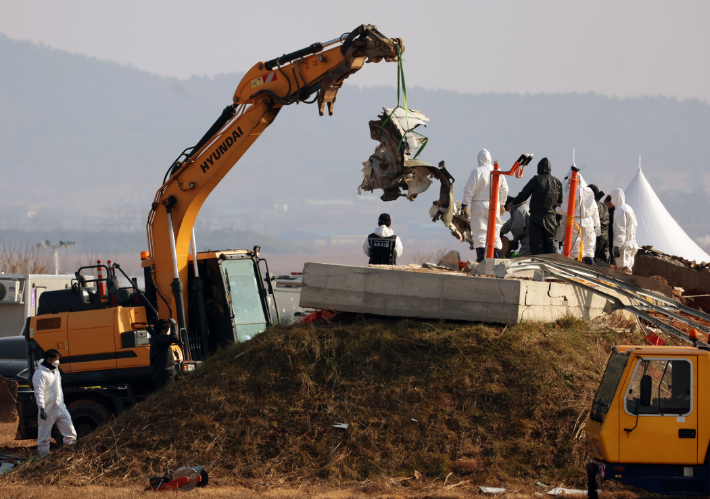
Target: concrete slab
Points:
(409, 292)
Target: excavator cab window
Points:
(235, 303)
(671, 389)
(245, 297)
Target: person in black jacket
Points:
(162, 363)
(602, 248)
(383, 246)
(545, 192)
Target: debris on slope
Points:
(430, 398)
(678, 260)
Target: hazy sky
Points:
(622, 48)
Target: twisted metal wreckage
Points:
(642, 302)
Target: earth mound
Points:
(351, 403)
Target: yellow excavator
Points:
(101, 329)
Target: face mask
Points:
(55, 363)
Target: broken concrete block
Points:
(470, 265)
(500, 270)
(434, 266)
(487, 265)
(402, 292)
(451, 260)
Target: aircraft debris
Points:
(393, 166)
(491, 490)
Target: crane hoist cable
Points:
(402, 91)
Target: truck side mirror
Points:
(646, 387)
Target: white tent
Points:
(656, 226)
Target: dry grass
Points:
(390, 491)
(463, 405)
(8, 445)
(94, 492)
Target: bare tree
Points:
(16, 258)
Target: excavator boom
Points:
(316, 72)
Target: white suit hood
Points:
(618, 199)
(384, 231)
(484, 157)
(585, 204)
(580, 181)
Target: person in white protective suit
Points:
(477, 195)
(586, 226)
(624, 243)
(50, 403)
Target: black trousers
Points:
(163, 379)
(602, 249)
(542, 238)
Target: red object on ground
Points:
(462, 264)
(176, 483)
(654, 339)
(318, 315)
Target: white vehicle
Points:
(19, 297)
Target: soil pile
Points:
(493, 404)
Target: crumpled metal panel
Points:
(391, 168)
(458, 223)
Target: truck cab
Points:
(649, 424)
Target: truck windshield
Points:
(249, 317)
(607, 388)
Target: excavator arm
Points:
(316, 72)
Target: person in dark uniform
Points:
(382, 246)
(162, 363)
(602, 248)
(545, 193)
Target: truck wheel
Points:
(87, 415)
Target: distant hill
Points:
(113, 242)
(85, 143)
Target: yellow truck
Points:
(649, 425)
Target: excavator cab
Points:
(646, 426)
(236, 300)
(231, 290)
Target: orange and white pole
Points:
(567, 249)
(101, 284)
(493, 211)
(517, 170)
